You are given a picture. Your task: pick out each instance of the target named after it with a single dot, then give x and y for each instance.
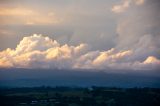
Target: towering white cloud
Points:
(35, 42)
(38, 51)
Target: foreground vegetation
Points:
(67, 96)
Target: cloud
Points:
(122, 7)
(152, 60)
(132, 45)
(38, 51)
(35, 42)
(15, 12)
(139, 31)
(119, 8)
(27, 16)
(139, 2)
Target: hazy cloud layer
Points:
(138, 30)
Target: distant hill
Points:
(82, 78)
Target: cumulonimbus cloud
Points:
(38, 51)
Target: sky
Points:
(80, 34)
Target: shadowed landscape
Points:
(44, 87)
(76, 96)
